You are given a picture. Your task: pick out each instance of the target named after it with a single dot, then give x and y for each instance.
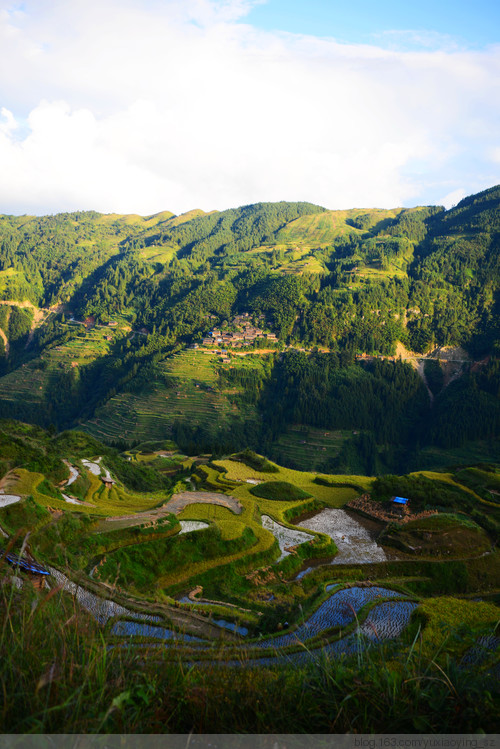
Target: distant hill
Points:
(95, 311)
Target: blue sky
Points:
(211, 104)
(474, 24)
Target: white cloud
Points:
(452, 198)
(142, 106)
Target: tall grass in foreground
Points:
(59, 676)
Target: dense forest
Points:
(330, 285)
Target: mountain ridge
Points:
(119, 299)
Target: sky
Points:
(140, 106)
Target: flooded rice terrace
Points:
(385, 621)
(337, 611)
(354, 537)
(8, 499)
(286, 537)
(188, 526)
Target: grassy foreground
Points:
(59, 676)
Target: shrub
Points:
(255, 461)
(279, 490)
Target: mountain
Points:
(97, 313)
(163, 379)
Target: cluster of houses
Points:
(246, 334)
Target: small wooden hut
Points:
(35, 571)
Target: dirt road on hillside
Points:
(5, 342)
(175, 505)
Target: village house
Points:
(400, 506)
(244, 336)
(36, 573)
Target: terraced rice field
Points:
(9, 499)
(188, 526)
(179, 501)
(23, 385)
(28, 383)
(310, 448)
(286, 537)
(339, 610)
(100, 608)
(138, 629)
(229, 524)
(352, 644)
(158, 254)
(481, 650)
(385, 621)
(94, 468)
(151, 415)
(355, 542)
(479, 451)
(333, 496)
(320, 229)
(104, 610)
(73, 474)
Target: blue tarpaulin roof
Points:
(400, 500)
(24, 564)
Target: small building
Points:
(35, 571)
(108, 482)
(400, 505)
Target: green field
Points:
(30, 380)
(335, 496)
(309, 448)
(158, 254)
(319, 230)
(479, 451)
(194, 399)
(10, 282)
(145, 565)
(99, 500)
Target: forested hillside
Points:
(96, 312)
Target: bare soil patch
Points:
(175, 505)
(183, 499)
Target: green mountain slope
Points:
(95, 309)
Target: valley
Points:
(205, 421)
(238, 562)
